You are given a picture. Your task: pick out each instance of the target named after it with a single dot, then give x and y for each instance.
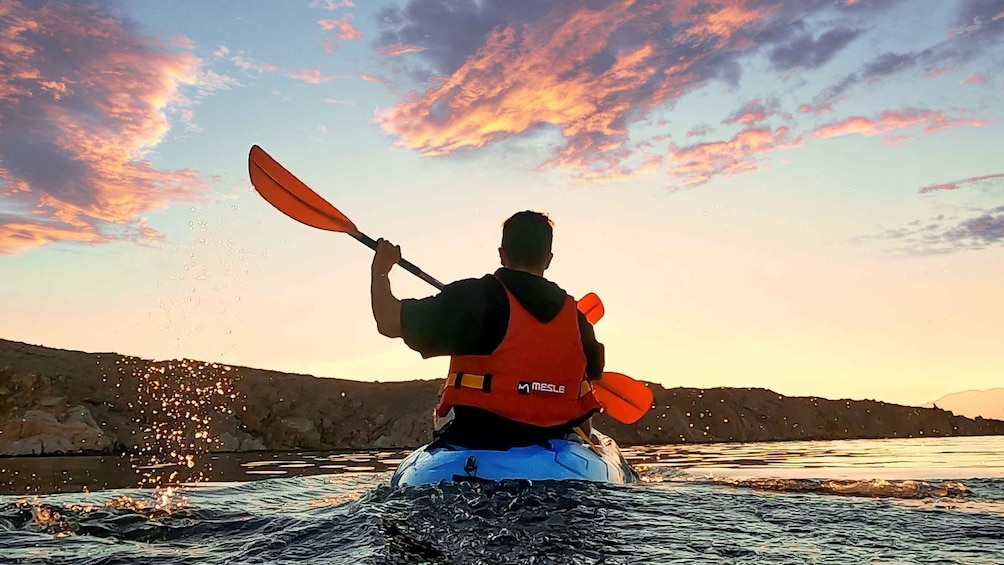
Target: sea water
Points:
(936, 500)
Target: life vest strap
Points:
(484, 383)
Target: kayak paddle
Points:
(295, 199)
(623, 398)
(591, 306)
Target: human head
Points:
(526, 242)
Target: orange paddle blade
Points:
(623, 398)
(592, 307)
(292, 197)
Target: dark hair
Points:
(526, 238)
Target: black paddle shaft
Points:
(406, 265)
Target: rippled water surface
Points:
(880, 501)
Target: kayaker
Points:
(521, 354)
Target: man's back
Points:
(471, 317)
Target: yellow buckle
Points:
(468, 380)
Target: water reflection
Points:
(47, 475)
(896, 459)
(942, 458)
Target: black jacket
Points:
(471, 316)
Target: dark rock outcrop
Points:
(688, 415)
(57, 401)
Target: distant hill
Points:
(56, 401)
(973, 403)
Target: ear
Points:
(502, 257)
(548, 262)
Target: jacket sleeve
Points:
(461, 320)
(594, 350)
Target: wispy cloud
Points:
(398, 49)
(697, 164)
(207, 83)
(343, 27)
(968, 228)
(941, 235)
(331, 5)
(700, 130)
(932, 122)
(750, 113)
(897, 139)
(210, 81)
(280, 95)
(954, 185)
(977, 30)
(343, 31)
(976, 79)
(311, 76)
(815, 110)
(83, 98)
(243, 61)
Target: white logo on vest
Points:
(526, 387)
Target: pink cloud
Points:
(18, 236)
(77, 124)
(897, 139)
(697, 164)
(932, 122)
(343, 27)
(959, 183)
(815, 110)
(399, 49)
(331, 5)
(617, 165)
(749, 114)
(312, 76)
(584, 73)
(368, 78)
(539, 73)
(976, 79)
(935, 72)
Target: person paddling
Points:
(521, 354)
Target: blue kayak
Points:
(562, 459)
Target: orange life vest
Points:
(536, 376)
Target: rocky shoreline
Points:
(56, 401)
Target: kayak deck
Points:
(562, 459)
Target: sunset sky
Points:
(800, 195)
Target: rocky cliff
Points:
(57, 401)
